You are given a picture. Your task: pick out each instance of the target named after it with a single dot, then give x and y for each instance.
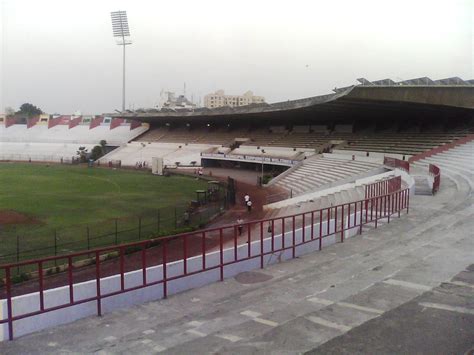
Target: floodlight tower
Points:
(120, 29)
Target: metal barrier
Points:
(280, 235)
(383, 187)
(397, 163)
(436, 173)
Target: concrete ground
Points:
(406, 287)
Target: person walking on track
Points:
(246, 199)
(240, 226)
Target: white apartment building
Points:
(219, 99)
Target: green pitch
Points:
(70, 199)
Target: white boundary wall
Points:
(58, 296)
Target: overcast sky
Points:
(60, 55)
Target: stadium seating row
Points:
(80, 134)
(407, 143)
(317, 171)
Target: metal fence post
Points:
(17, 253)
(116, 231)
(158, 222)
(55, 247)
(175, 218)
(139, 227)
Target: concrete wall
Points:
(59, 296)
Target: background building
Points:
(219, 99)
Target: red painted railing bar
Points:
(273, 235)
(361, 209)
(165, 277)
(283, 233)
(8, 285)
(408, 200)
(70, 280)
(97, 281)
(122, 270)
(342, 224)
(41, 286)
(249, 241)
(261, 244)
(221, 253)
(304, 227)
(185, 255)
(329, 221)
(320, 229)
(294, 238)
(312, 225)
(235, 245)
(349, 215)
(144, 263)
(203, 246)
(376, 211)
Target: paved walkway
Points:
(346, 297)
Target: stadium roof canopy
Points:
(414, 99)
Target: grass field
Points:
(69, 198)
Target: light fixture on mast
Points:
(121, 30)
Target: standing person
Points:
(240, 227)
(186, 218)
(249, 206)
(246, 198)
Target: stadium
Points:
(381, 164)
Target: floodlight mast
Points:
(120, 29)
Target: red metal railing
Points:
(442, 148)
(312, 227)
(397, 163)
(383, 187)
(436, 173)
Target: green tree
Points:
(29, 110)
(103, 143)
(96, 152)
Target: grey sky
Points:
(61, 56)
